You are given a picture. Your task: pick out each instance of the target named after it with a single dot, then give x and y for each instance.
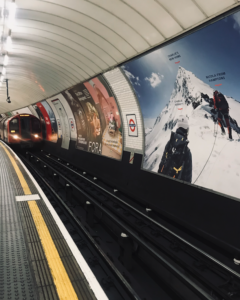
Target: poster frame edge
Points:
(215, 19)
(139, 108)
(120, 110)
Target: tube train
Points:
(24, 130)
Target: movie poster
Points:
(92, 117)
(109, 117)
(189, 96)
(80, 119)
(99, 127)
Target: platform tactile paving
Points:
(15, 274)
(24, 269)
(75, 274)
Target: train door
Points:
(64, 122)
(25, 128)
(36, 127)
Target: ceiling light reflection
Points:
(5, 61)
(8, 44)
(11, 15)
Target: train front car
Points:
(23, 130)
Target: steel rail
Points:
(151, 220)
(180, 274)
(105, 257)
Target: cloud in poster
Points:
(155, 79)
(236, 18)
(129, 74)
(134, 80)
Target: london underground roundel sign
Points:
(132, 125)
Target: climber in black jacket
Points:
(176, 161)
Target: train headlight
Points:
(15, 136)
(36, 135)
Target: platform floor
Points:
(36, 261)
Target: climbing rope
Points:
(215, 123)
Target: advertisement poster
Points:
(53, 121)
(62, 123)
(80, 119)
(92, 116)
(109, 117)
(47, 130)
(189, 96)
(99, 127)
(41, 118)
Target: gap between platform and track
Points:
(60, 277)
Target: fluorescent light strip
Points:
(8, 44)
(11, 15)
(5, 61)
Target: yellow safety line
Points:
(62, 282)
(60, 277)
(23, 182)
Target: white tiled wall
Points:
(128, 104)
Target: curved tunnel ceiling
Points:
(58, 43)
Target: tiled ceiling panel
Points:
(58, 43)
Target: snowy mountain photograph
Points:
(193, 85)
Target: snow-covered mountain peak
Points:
(189, 87)
(193, 98)
(213, 155)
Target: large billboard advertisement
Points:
(99, 127)
(189, 96)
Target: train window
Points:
(14, 126)
(36, 126)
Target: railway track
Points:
(147, 258)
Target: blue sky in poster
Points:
(213, 49)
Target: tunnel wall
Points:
(124, 158)
(200, 210)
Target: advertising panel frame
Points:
(71, 96)
(172, 41)
(139, 108)
(65, 141)
(120, 113)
